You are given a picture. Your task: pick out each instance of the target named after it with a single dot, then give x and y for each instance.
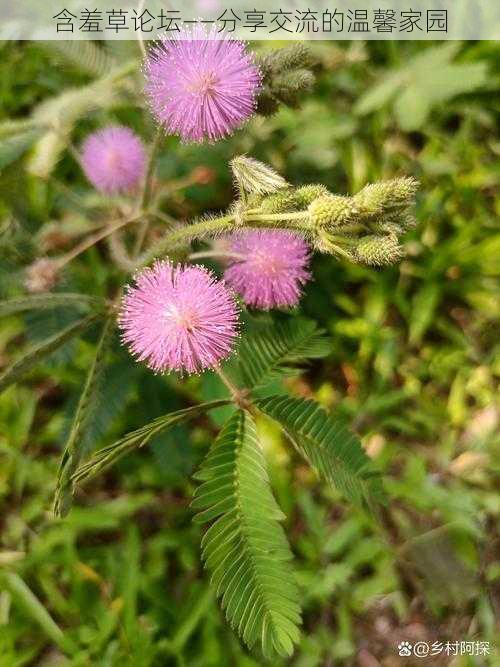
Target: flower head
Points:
(201, 84)
(179, 318)
(113, 159)
(269, 267)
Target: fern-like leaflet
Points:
(109, 455)
(328, 445)
(42, 350)
(50, 300)
(269, 351)
(72, 453)
(245, 548)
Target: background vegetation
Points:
(414, 365)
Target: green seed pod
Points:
(282, 201)
(378, 250)
(306, 194)
(331, 211)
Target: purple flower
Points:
(114, 159)
(201, 84)
(268, 268)
(179, 318)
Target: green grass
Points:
(414, 366)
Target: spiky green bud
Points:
(267, 104)
(306, 194)
(254, 200)
(290, 86)
(378, 250)
(252, 176)
(282, 201)
(377, 198)
(331, 211)
(403, 191)
(286, 59)
(408, 221)
(387, 227)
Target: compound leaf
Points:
(245, 547)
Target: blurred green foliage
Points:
(414, 365)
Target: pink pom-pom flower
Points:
(201, 84)
(268, 267)
(114, 159)
(179, 318)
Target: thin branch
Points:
(186, 234)
(217, 254)
(239, 396)
(146, 193)
(148, 177)
(164, 217)
(92, 240)
(140, 7)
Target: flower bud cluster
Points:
(286, 76)
(364, 228)
(376, 216)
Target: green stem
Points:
(146, 193)
(298, 220)
(164, 217)
(279, 217)
(354, 228)
(215, 226)
(238, 396)
(92, 240)
(186, 234)
(345, 240)
(340, 251)
(148, 178)
(140, 8)
(220, 254)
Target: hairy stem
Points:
(239, 396)
(148, 177)
(214, 226)
(280, 217)
(146, 193)
(140, 40)
(296, 221)
(93, 239)
(216, 254)
(186, 234)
